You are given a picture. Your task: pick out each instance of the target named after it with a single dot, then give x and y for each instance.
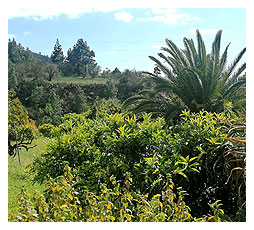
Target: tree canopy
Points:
(80, 56)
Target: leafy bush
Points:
(192, 153)
(21, 129)
(218, 140)
(112, 145)
(121, 204)
(58, 204)
(46, 129)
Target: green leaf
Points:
(194, 170)
(183, 174)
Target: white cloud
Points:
(156, 46)
(11, 36)
(204, 32)
(169, 16)
(112, 52)
(26, 33)
(123, 16)
(40, 10)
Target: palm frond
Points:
(236, 61)
(239, 83)
(240, 70)
(174, 64)
(198, 80)
(162, 67)
(132, 100)
(201, 51)
(223, 59)
(191, 52)
(175, 52)
(172, 112)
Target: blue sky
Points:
(124, 37)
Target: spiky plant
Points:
(191, 79)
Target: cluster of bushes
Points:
(203, 155)
(117, 204)
(47, 102)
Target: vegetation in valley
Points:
(127, 145)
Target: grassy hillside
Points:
(18, 176)
(79, 80)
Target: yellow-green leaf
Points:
(108, 206)
(63, 206)
(156, 196)
(70, 196)
(40, 209)
(64, 183)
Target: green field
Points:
(79, 80)
(18, 175)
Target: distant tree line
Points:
(30, 77)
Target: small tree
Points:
(57, 55)
(52, 70)
(93, 70)
(116, 71)
(21, 129)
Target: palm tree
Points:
(191, 79)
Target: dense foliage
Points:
(17, 53)
(21, 129)
(79, 60)
(195, 154)
(38, 84)
(12, 78)
(118, 204)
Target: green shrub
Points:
(191, 153)
(116, 204)
(221, 158)
(21, 129)
(59, 203)
(112, 145)
(46, 129)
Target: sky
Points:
(121, 36)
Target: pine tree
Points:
(80, 57)
(57, 55)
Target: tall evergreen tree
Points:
(80, 57)
(57, 55)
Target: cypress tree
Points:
(57, 55)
